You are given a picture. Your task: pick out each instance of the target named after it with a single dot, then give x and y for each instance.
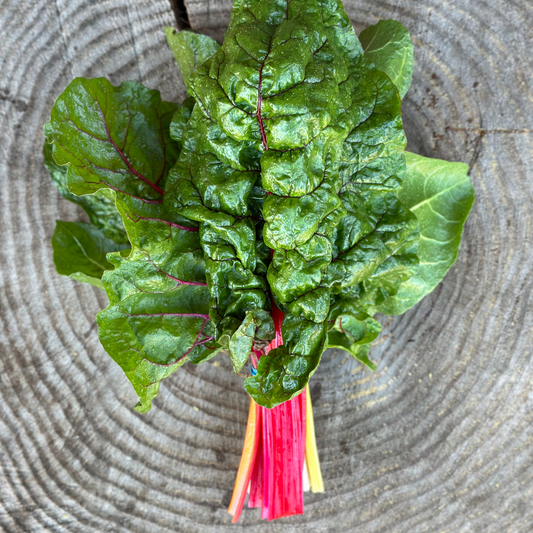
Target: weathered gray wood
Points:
(209, 17)
(439, 439)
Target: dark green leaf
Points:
(118, 140)
(389, 276)
(286, 186)
(282, 375)
(388, 46)
(100, 207)
(114, 138)
(212, 183)
(289, 85)
(80, 251)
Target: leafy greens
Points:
(281, 181)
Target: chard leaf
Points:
(281, 179)
(100, 207)
(159, 304)
(388, 46)
(254, 333)
(358, 351)
(117, 139)
(350, 328)
(212, 183)
(179, 121)
(280, 377)
(287, 88)
(382, 232)
(389, 276)
(354, 335)
(80, 251)
(114, 138)
(440, 194)
(190, 51)
(359, 329)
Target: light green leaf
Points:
(80, 251)
(358, 351)
(190, 50)
(352, 330)
(388, 46)
(440, 195)
(255, 332)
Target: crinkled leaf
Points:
(80, 251)
(100, 207)
(151, 337)
(278, 83)
(179, 121)
(440, 194)
(292, 141)
(190, 51)
(286, 370)
(389, 276)
(358, 329)
(212, 183)
(386, 227)
(159, 304)
(281, 375)
(388, 46)
(254, 333)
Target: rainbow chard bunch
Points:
(280, 183)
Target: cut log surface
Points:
(438, 439)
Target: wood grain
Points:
(439, 439)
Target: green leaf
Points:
(80, 251)
(358, 329)
(179, 121)
(211, 184)
(358, 351)
(354, 335)
(159, 304)
(254, 333)
(190, 50)
(114, 138)
(100, 207)
(440, 194)
(388, 46)
(282, 375)
(282, 85)
(117, 140)
(151, 337)
(389, 276)
(383, 229)
(288, 87)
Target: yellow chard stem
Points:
(311, 452)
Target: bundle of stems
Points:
(279, 458)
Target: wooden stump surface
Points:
(439, 439)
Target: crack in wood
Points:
(180, 12)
